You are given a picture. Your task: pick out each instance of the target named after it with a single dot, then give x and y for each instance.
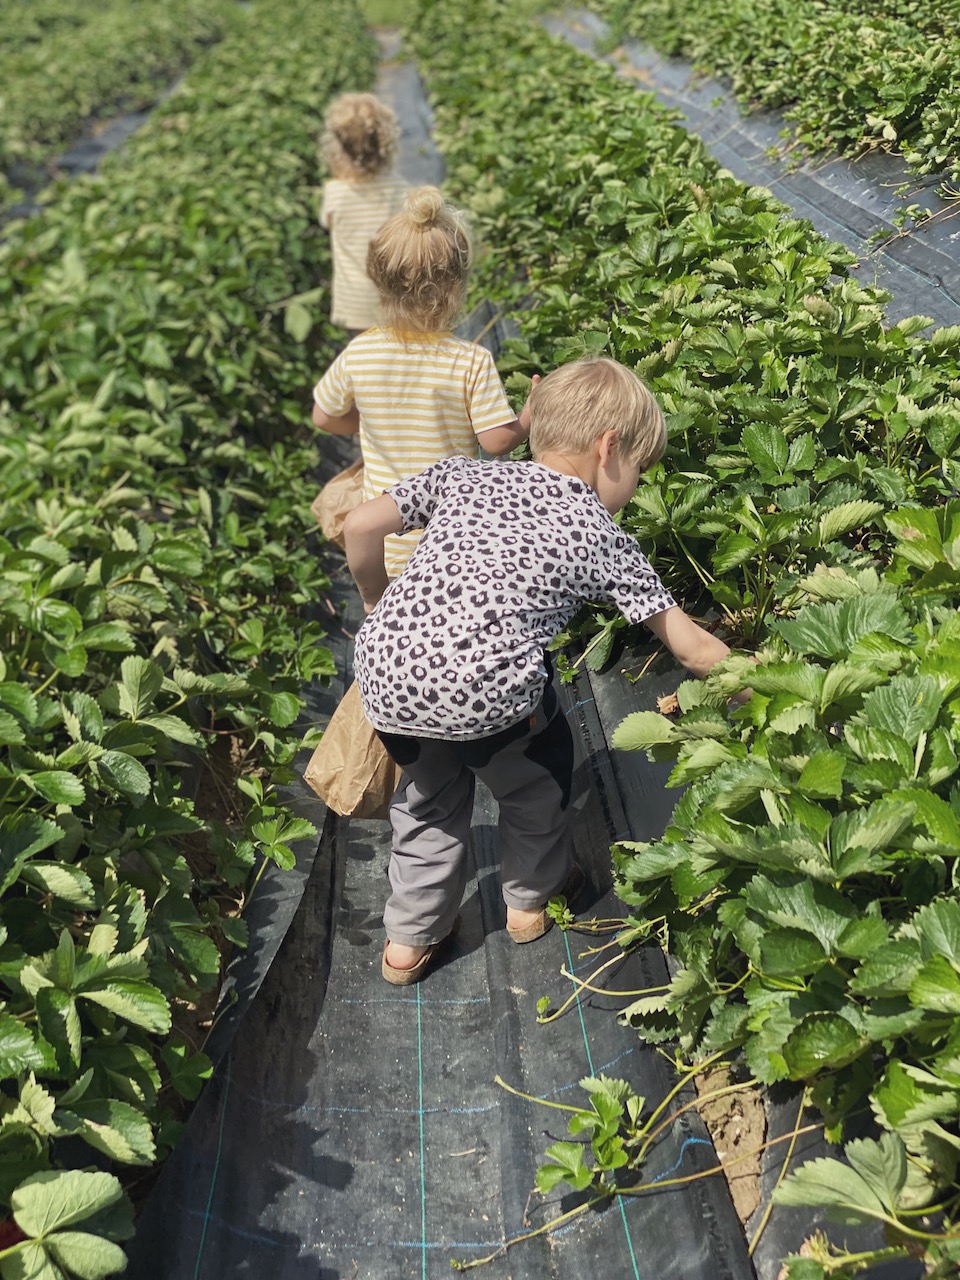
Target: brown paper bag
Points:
(338, 497)
(350, 769)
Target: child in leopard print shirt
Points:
(451, 662)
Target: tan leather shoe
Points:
(573, 886)
(407, 977)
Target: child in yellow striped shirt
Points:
(360, 144)
(414, 391)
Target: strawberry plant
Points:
(42, 1237)
(876, 1184)
(65, 66)
(850, 76)
(156, 590)
(806, 884)
(807, 880)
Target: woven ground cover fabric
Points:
(357, 1127)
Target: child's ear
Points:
(608, 446)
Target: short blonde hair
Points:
(419, 261)
(360, 135)
(578, 402)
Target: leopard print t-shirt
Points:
(455, 648)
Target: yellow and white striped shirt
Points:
(353, 212)
(421, 397)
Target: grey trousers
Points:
(529, 770)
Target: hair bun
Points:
(424, 206)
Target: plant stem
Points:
(600, 925)
(541, 1102)
(256, 880)
(46, 684)
(708, 1173)
(706, 578)
(547, 1227)
(681, 1084)
(585, 983)
(694, 1104)
(597, 640)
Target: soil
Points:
(216, 800)
(216, 797)
(738, 1126)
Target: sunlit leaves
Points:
(152, 523)
(869, 1187)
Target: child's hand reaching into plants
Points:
(523, 417)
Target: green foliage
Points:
(46, 1206)
(877, 1183)
(65, 64)
(156, 589)
(797, 418)
(851, 76)
(806, 885)
(611, 1128)
(807, 880)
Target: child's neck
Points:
(417, 335)
(582, 466)
(346, 174)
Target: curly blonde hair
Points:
(419, 261)
(360, 136)
(581, 400)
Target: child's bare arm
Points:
(690, 644)
(348, 425)
(500, 440)
(363, 533)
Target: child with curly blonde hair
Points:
(359, 142)
(414, 391)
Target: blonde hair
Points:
(578, 402)
(360, 135)
(419, 261)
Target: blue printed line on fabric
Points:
(216, 1168)
(586, 1045)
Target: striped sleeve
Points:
(327, 206)
(333, 394)
(487, 402)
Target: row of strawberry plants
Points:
(96, 62)
(934, 19)
(805, 493)
(850, 77)
(807, 881)
(156, 584)
(28, 24)
(796, 415)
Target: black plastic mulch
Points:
(846, 200)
